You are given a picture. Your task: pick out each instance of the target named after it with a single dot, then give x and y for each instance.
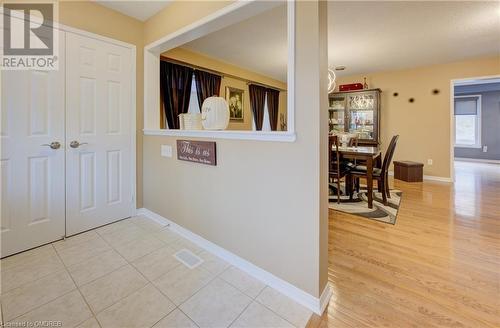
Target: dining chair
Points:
(379, 174)
(337, 168)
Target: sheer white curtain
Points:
(194, 107)
(266, 124)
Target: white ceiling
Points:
(374, 36)
(141, 10)
(258, 43)
(365, 36)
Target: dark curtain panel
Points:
(257, 101)
(175, 84)
(207, 85)
(273, 98)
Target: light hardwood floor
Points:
(439, 266)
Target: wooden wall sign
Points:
(202, 152)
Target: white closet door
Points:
(98, 122)
(32, 173)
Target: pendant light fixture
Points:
(331, 80)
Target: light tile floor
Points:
(125, 275)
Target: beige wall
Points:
(91, 17)
(264, 201)
(179, 14)
(222, 67)
(424, 125)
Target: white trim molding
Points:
(315, 304)
(439, 179)
(230, 14)
(241, 135)
(430, 178)
(477, 160)
(325, 298)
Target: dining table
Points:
(369, 155)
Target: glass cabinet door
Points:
(362, 114)
(336, 112)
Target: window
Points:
(468, 121)
(266, 124)
(194, 106)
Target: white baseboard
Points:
(440, 179)
(430, 178)
(325, 298)
(477, 160)
(317, 305)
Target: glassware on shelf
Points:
(355, 112)
(362, 102)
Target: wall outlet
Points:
(429, 161)
(166, 151)
(485, 149)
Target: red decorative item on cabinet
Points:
(349, 87)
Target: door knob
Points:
(53, 145)
(76, 144)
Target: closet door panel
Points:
(98, 118)
(32, 172)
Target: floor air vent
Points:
(188, 258)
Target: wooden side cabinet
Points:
(356, 112)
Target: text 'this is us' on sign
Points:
(203, 152)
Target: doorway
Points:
(68, 143)
(475, 117)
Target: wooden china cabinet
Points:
(357, 112)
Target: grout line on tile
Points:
(202, 287)
(124, 297)
(94, 255)
(134, 267)
(237, 288)
(32, 281)
(39, 306)
(41, 277)
(65, 269)
(256, 300)
(130, 262)
(127, 263)
(78, 234)
(149, 234)
(96, 229)
(239, 315)
(98, 323)
(74, 282)
(110, 272)
(151, 281)
(175, 308)
(265, 286)
(188, 316)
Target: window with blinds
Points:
(468, 121)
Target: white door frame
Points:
(133, 111)
(452, 116)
